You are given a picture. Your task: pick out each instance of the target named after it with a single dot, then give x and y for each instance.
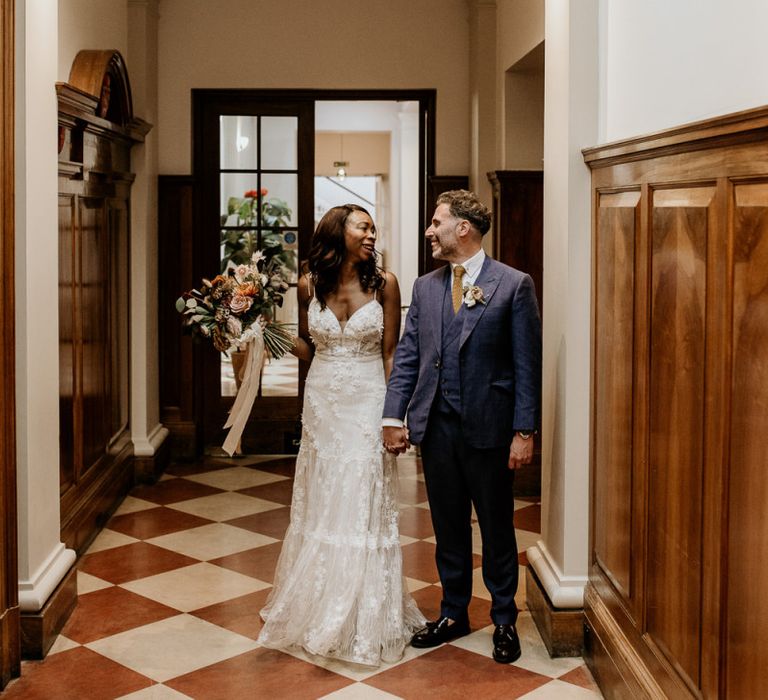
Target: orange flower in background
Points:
(253, 194)
(247, 290)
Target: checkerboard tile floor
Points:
(170, 593)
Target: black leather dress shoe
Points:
(506, 644)
(439, 631)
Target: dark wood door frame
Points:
(10, 664)
(207, 104)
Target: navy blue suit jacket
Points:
(500, 357)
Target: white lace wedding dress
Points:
(339, 588)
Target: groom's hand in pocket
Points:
(395, 439)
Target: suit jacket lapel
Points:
(437, 293)
(488, 281)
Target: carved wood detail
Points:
(680, 364)
(97, 130)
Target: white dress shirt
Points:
(472, 267)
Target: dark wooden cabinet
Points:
(675, 604)
(96, 132)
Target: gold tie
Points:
(458, 273)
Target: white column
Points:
(560, 558)
(43, 559)
(146, 431)
(482, 93)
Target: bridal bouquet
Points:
(239, 304)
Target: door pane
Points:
(236, 208)
(282, 194)
(238, 143)
(279, 143)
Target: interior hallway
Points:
(169, 595)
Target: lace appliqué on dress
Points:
(339, 588)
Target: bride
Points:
(339, 589)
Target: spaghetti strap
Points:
(310, 285)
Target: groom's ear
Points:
(464, 227)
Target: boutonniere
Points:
(473, 295)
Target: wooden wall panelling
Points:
(10, 660)
(617, 220)
(175, 253)
(746, 632)
(693, 622)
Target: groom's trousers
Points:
(456, 477)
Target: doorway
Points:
(284, 150)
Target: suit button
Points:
(437, 364)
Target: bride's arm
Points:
(390, 300)
(302, 344)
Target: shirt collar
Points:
(472, 266)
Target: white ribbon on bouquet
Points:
(252, 341)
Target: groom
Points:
(467, 371)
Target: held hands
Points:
(520, 452)
(395, 439)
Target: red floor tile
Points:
(201, 467)
(239, 615)
(262, 673)
(412, 491)
(451, 673)
(74, 675)
(285, 466)
(173, 491)
(110, 611)
(415, 522)
(277, 492)
(272, 523)
(582, 677)
(153, 522)
(528, 518)
(259, 562)
(132, 561)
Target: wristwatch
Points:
(525, 434)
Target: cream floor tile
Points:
(88, 584)
(194, 587)
(167, 477)
(224, 506)
(356, 672)
(360, 691)
(155, 692)
(108, 539)
(526, 539)
(211, 541)
(534, 657)
(478, 585)
(236, 478)
(522, 504)
(133, 505)
(520, 595)
(414, 584)
(172, 647)
(558, 690)
(246, 460)
(404, 540)
(62, 643)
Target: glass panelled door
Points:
(259, 212)
(255, 157)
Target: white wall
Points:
(329, 44)
(85, 24)
(43, 560)
(666, 62)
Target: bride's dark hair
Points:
(328, 250)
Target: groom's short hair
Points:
(464, 204)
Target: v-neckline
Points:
(343, 327)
